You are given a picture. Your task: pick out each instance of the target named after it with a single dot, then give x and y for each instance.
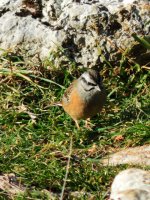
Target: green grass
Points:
(35, 136)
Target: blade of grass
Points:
(8, 71)
(47, 80)
(142, 41)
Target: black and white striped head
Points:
(91, 80)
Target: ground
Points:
(35, 136)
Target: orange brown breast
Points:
(78, 108)
(74, 106)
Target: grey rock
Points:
(87, 30)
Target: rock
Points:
(88, 31)
(134, 156)
(28, 33)
(131, 184)
(9, 184)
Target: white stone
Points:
(131, 184)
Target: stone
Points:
(88, 31)
(132, 183)
(131, 156)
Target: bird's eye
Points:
(92, 84)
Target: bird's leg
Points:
(77, 124)
(88, 124)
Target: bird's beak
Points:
(98, 88)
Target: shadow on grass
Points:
(135, 119)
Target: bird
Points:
(85, 96)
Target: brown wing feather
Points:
(68, 91)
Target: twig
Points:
(67, 169)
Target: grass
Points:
(35, 136)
